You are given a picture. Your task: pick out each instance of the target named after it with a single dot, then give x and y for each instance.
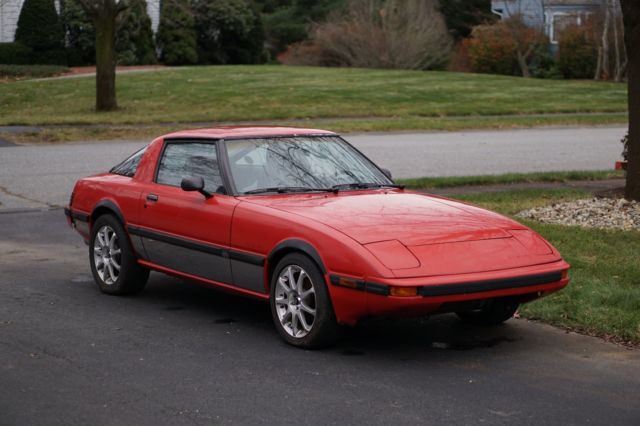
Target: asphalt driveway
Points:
(184, 354)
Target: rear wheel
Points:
(300, 304)
(113, 262)
(495, 312)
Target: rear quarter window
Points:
(129, 166)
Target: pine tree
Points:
(176, 36)
(39, 28)
(134, 38)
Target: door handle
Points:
(152, 197)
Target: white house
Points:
(552, 15)
(10, 11)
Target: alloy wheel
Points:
(107, 255)
(295, 300)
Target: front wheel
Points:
(113, 263)
(300, 304)
(496, 312)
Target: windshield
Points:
(304, 162)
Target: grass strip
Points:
(603, 298)
(510, 178)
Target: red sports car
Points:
(302, 219)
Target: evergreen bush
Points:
(14, 53)
(40, 29)
(228, 32)
(176, 38)
(134, 37)
(80, 35)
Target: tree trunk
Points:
(105, 26)
(524, 67)
(631, 15)
(606, 73)
(616, 44)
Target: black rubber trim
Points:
(453, 289)
(82, 217)
(110, 206)
(299, 245)
(252, 259)
(369, 287)
(489, 285)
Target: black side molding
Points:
(82, 217)
(252, 259)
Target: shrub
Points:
(463, 15)
(288, 21)
(409, 34)
(30, 71)
(577, 52)
(491, 50)
(176, 36)
(509, 47)
(39, 28)
(228, 32)
(14, 53)
(134, 37)
(80, 35)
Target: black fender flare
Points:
(107, 205)
(296, 245)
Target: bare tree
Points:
(525, 23)
(609, 27)
(104, 14)
(406, 34)
(631, 14)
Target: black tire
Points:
(324, 331)
(131, 278)
(496, 312)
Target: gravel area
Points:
(605, 213)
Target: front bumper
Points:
(431, 295)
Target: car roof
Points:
(233, 132)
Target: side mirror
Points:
(191, 184)
(387, 173)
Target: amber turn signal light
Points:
(403, 291)
(565, 274)
(348, 282)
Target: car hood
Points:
(416, 235)
(413, 219)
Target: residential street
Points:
(42, 176)
(183, 354)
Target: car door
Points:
(185, 231)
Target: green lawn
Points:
(603, 297)
(510, 178)
(368, 99)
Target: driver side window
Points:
(190, 159)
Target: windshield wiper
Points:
(285, 189)
(357, 185)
